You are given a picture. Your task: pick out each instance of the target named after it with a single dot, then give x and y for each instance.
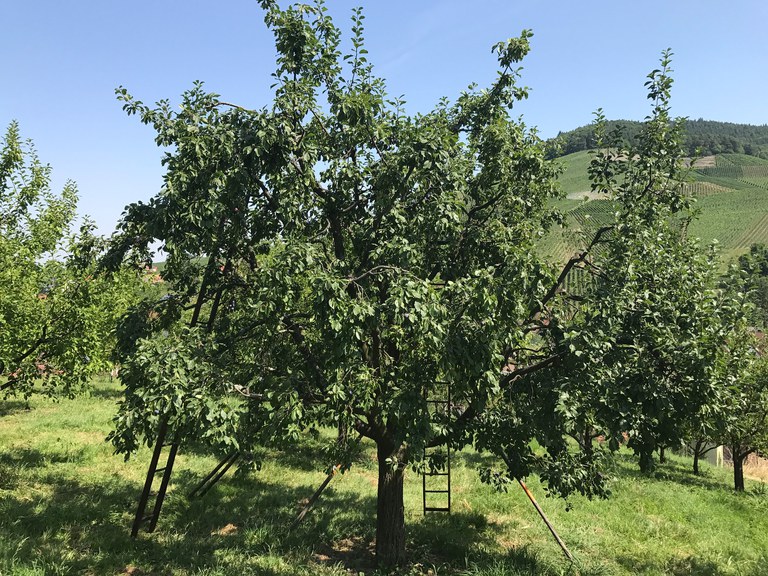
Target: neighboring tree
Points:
(754, 268)
(650, 340)
(701, 138)
(706, 427)
(739, 417)
(648, 331)
(57, 318)
(746, 430)
(333, 261)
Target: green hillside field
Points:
(731, 191)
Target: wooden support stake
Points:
(546, 521)
(315, 496)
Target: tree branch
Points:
(43, 339)
(508, 377)
(557, 286)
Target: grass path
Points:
(66, 505)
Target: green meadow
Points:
(67, 503)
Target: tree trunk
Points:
(662, 454)
(647, 465)
(390, 515)
(699, 451)
(587, 442)
(738, 469)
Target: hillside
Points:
(731, 192)
(702, 137)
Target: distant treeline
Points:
(703, 137)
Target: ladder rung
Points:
(437, 491)
(435, 509)
(162, 469)
(436, 474)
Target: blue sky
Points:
(63, 60)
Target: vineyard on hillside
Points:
(731, 193)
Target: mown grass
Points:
(66, 506)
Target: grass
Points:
(575, 179)
(66, 506)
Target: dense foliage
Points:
(754, 281)
(651, 321)
(57, 316)
(334, 261)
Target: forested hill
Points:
(706, 136)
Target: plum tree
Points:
(335, 261)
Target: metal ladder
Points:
(141, 513)
(444, 487)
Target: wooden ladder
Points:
(141, 513)
(216, 474)
(443, 487)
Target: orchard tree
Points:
(754, 268)
(57, 318)
(746, 430)
(739, 419)
(707, 427)
(335, 261)
(651, 323)
(642, 323)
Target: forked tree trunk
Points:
(390, 515)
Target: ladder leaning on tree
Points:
(436, 407)
(141, 513)
(173, 445)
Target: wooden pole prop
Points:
(546, 521)
(335, 470)
(315, 496)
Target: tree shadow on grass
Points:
(468, 543)
(440, 538)
(670, 471)
(308, 455)
(22, 458)
(10, 407)
(339, 528)
(102, 392)
(82, 526)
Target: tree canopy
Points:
(57, 317)
(701, 137)
(335, 261)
